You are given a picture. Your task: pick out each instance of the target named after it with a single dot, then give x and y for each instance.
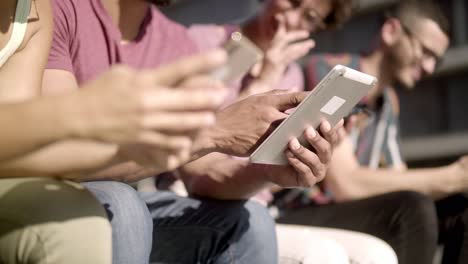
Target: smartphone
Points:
(332, 99)
(243, 54)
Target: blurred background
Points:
(434, 116)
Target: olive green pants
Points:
(47, 221)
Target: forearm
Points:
(31, 125)
(128, 172)
(72, 158)
(363, 182)
(222, 177)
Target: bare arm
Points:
(348, 180)
(62, 157)
(224, 177)
(141, 119)
(20, 79)
(42, 121)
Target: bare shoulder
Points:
(39, 20)
(33, 51)
(39, 23)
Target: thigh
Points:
(50, 221)
(131, 222)
(191, 230)
(303, 245)
(405, 220)
(378, 215)
(453, 225)
(258, 244)
(360, 247)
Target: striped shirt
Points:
(376, 136)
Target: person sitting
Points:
(282, 30)
(92, 35)
(369, 188)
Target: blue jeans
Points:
(167, 228)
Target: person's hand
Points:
(242, 126)
(344, 131)
(459, 169)
(286, 47)
(306, 167)
(154, 114)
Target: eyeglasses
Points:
(427, 53)
(313, 19)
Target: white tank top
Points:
(19, 30)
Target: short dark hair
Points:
(341, 12)
(160, 2)
(407, 10)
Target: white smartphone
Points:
(332, 99)
(243, 54)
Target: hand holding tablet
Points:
(332, 99)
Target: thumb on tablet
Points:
(287, 101)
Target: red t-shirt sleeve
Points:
(60, 56)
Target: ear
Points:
(391, 31)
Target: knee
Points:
(325, 250)
(417, 210)
(121, 202)
(419, 206)
(261, 225)
(130, 220)
(48, 212)
(257, 242)
(297, 244)
(372, 250)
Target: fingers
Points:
(281, 30)
(177, 159)
(291, 37)
(173, 73)
(297, 152)
(304, 176)
(322, 147)
(164, 142)
(331, 135)
(350, 123)
(283, 102)
(298, 50)
(275, 92)
(202, 82)
(178, 122)
(182, 100)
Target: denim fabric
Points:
(130, 220)
(185, 230)
(210, 231)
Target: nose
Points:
(293, 18)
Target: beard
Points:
(398, 61)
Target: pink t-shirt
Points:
(86, 41)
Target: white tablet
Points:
(332, 99)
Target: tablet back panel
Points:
(332, 99)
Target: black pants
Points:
(410, 222)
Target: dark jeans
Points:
(165, 228)
(410, 222)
